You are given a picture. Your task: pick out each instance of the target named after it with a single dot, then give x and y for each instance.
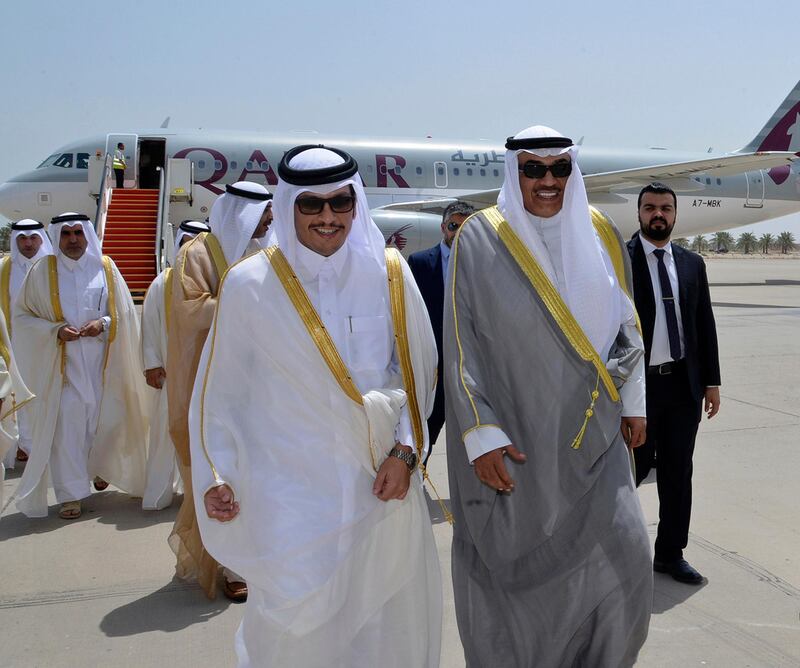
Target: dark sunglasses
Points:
(536, 170)
(314, 205)
(453, 226)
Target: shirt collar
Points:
(311, 263)
(74, 265)
(648, 247)
(445, 250)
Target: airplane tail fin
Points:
(782, 131)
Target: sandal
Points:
(22, 456)
(71, 510)
(99, 483)
(235, 591)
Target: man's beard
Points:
(658, 234)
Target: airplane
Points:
(410, 181)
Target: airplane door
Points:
(131, 155)
(440, 174)
(755, 190)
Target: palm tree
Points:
(764, 242)
(683, 242)
(747, 242)
(5, 237)
(722, 240)
(699, 243)
(786, 242)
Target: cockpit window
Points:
(49, 161)
(83, 161)
(64, 160)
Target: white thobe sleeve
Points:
(632, 392)
(484, 439)
(151, 329)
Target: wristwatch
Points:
(410, 458)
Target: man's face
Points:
(542, 197)
(657, 216)
(73, 242)
(454, 221)
(326, 231)
(263, 224)
(29, 245)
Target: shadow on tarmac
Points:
(668, 593)
(109, 507)
(172, 608)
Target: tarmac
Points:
(100, 591)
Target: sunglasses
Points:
(536, 170)
(314, 205)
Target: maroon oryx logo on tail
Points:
(397, 238)
(785, 136)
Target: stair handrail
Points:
(163, 209)
(104, 199)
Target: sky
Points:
(684, 75)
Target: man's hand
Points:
(393, 478)
(92, 328)
(711, 402)
(491, 469)
(634, 431)
(68, 333)
(155, 377)
(219, 503)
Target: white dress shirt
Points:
(659, 350)
(357, 315)
(445, 259)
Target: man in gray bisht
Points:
(544, 377)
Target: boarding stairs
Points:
(129, 237)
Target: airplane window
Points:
(234, 164)
(369, 168)
(83, 161)
(264, 165)
(469, 171)
(397, 170)
(419, 170)
(708, 182)
(201, 164)
(249, 165)
(456, 171)
(483, 172)
(496, 173)
(217, 164)
(64, 160)
(719, 182)
(440, 171)
(48, 161)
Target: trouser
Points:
(72, 441)
(120, 176)
(673, 416)
(436, 420)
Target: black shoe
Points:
(680, 570)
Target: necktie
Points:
(668, 300)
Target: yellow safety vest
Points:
(119, 160)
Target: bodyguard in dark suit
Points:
(683, 378)
(429, 268)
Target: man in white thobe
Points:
(29, 243)
(77, 344)
(13, 396)
(308, 420)
(163, 478)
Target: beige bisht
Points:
(195, 280)
(14, 395)
(118, 451)
(335, 576)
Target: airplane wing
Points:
(678, 174)
(600, 186)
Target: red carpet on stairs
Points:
(130, 237)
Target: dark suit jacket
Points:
(699, 329)
(426, 266)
